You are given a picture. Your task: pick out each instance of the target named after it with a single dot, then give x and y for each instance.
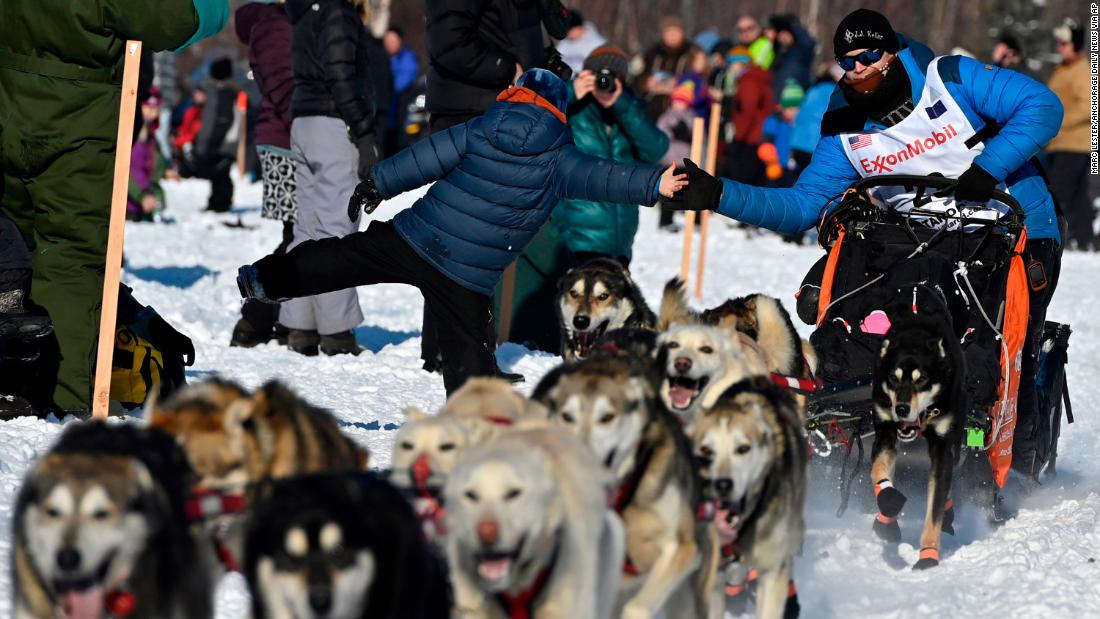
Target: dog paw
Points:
(890, 501)
(925, 563)
(887, 531)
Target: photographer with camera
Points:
(608, 120)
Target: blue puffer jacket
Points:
(499, 176)
(1027, 112)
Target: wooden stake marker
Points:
(127, 109)
(689, 216)
(711, 168)
(242, 131)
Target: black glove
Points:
(368, 154)
(975, 185)
(365, 198)
(681, 132)
(702, 193)
(555, 18)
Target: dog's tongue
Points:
(86, 604)
(681, 396)
(727, 534)
(494, 570)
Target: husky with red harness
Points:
(530, 533)
(427, 447)
(753, 462)
(235, 439)
(609, 402)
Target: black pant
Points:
(263, 316)
(1024, 440)
(1069, 182)
(379, 255)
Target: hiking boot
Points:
(19, 324)
(13, 406)
(304, 342)
(342, 343)
(247, 336)
(281, 334)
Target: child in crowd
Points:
(497, 178)
(147, 165)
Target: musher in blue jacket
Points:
(899, 110)
(497, 178)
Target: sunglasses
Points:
(867, 58)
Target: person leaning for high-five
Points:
(897, 93)
(497, 177)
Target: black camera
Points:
(605, 81)
(556, 64)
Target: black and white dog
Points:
(918, 390)
(594, 298)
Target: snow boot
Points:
(948, 523)
(887, 529)
(248, 282)
(304, 342)
(342, 343)
(247, 336)
(19, 324)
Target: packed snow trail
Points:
(1044, 563)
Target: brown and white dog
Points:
(594, 298)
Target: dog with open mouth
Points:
(918, 390)
(594, 298)
(530, 533)
(426, 447)
(100, 530)
(699, 362)
(609, 403)
(753, 460)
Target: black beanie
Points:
(221, 69)
(608, 57)
(864, 29)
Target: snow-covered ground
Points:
(1042, 564)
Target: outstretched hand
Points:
(702, 192)
(671, 182)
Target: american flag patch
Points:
(859, 141)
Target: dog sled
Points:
(902, 244)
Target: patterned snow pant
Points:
(280, 198)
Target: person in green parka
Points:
(60, 84)
(611, 123)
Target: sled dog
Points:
(594, 298)
(753, 460)
(760, 317)
(100, 530)
(917, 388)
(699, 362)
(671, 556)
(530, 533)
(340, 546)
(235, 439)
(426, 447)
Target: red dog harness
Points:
(206, 503)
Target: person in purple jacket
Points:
(264, 26)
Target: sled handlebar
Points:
(939, 183)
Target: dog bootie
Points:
(792, 609)
(887, 529)
(948, 523)
(929, 557)
(890, 499)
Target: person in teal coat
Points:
(610, 124)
